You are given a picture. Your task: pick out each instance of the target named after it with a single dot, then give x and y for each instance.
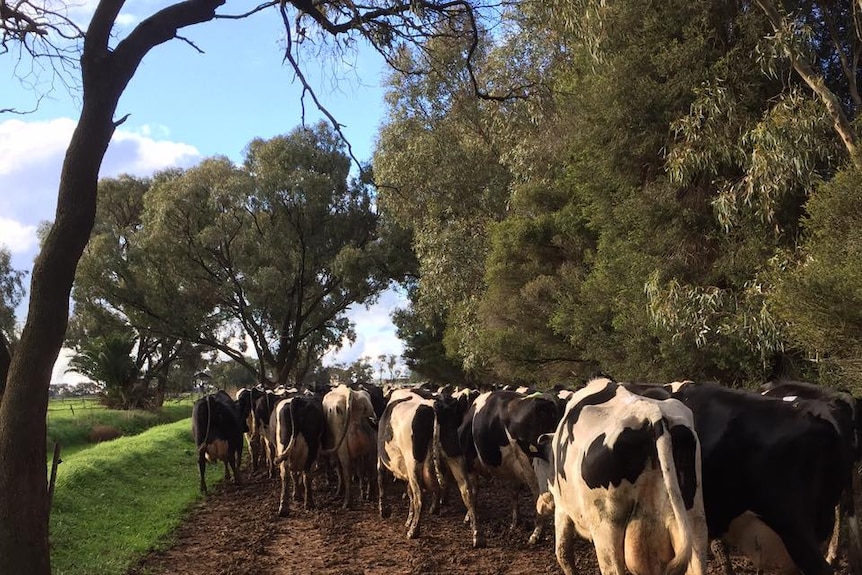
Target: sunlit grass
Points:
(116, 500)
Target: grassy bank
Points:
(116, 500)
(71, 423)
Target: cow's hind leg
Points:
(284, 500)
(516, 516)
(295, 486)
(202, 468)
(609, 541)
(415, 489)
(467, 488)
(307, 488)
(383, 505)
(564, 542)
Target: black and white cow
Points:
(624, 473)
(352, 429)
(405, 447)
(245, 399)
(263, 408)
(498, 436)
(217, 428)
(298, 425)
(779, 466)
(418, 442)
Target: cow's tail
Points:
(343, 431)
(435, 454)
(287, 450)
(683, 538)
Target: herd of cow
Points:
(648, 473)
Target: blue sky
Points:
(184, 106)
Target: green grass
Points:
(70, 421)
(117, 500)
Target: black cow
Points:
(245, 399)
(776, 464)
(500, 433)
(298, 425)
(846, 412)
(375, 392)
(263, 408)
(217, 427)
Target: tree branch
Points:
(803, 67)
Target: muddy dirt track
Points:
(236, 531)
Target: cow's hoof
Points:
(385, 512)
(479, 542)
(534, 538)
(283, 511)
(413, 533)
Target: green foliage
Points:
(639, 198)
(819, 293)
(107, 361)
(117, 500)
(11, 293)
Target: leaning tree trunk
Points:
(23, 459)
(23, 471)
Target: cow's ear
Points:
(542, 449)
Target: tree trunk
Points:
(23, 468)
(23, 471)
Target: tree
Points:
(11, 292)
(268, 254)
(108, 361)
(107, 66)
(818, 292)
(440, 177)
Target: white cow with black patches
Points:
(405, 449)
(624, 473)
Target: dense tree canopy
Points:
(661, 207)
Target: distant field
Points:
(75, 422)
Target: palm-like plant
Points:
(108, 361)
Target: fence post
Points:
(54, 464)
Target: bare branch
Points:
(190, 43)
(306, 89)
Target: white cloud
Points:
(59, 373)
(31, 157)
(375, 334)
(139, 154)
(17, 237)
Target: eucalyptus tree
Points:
(271, 253)
(106, 62)
(439, 176)
(266, 255)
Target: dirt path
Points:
(236, 531)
